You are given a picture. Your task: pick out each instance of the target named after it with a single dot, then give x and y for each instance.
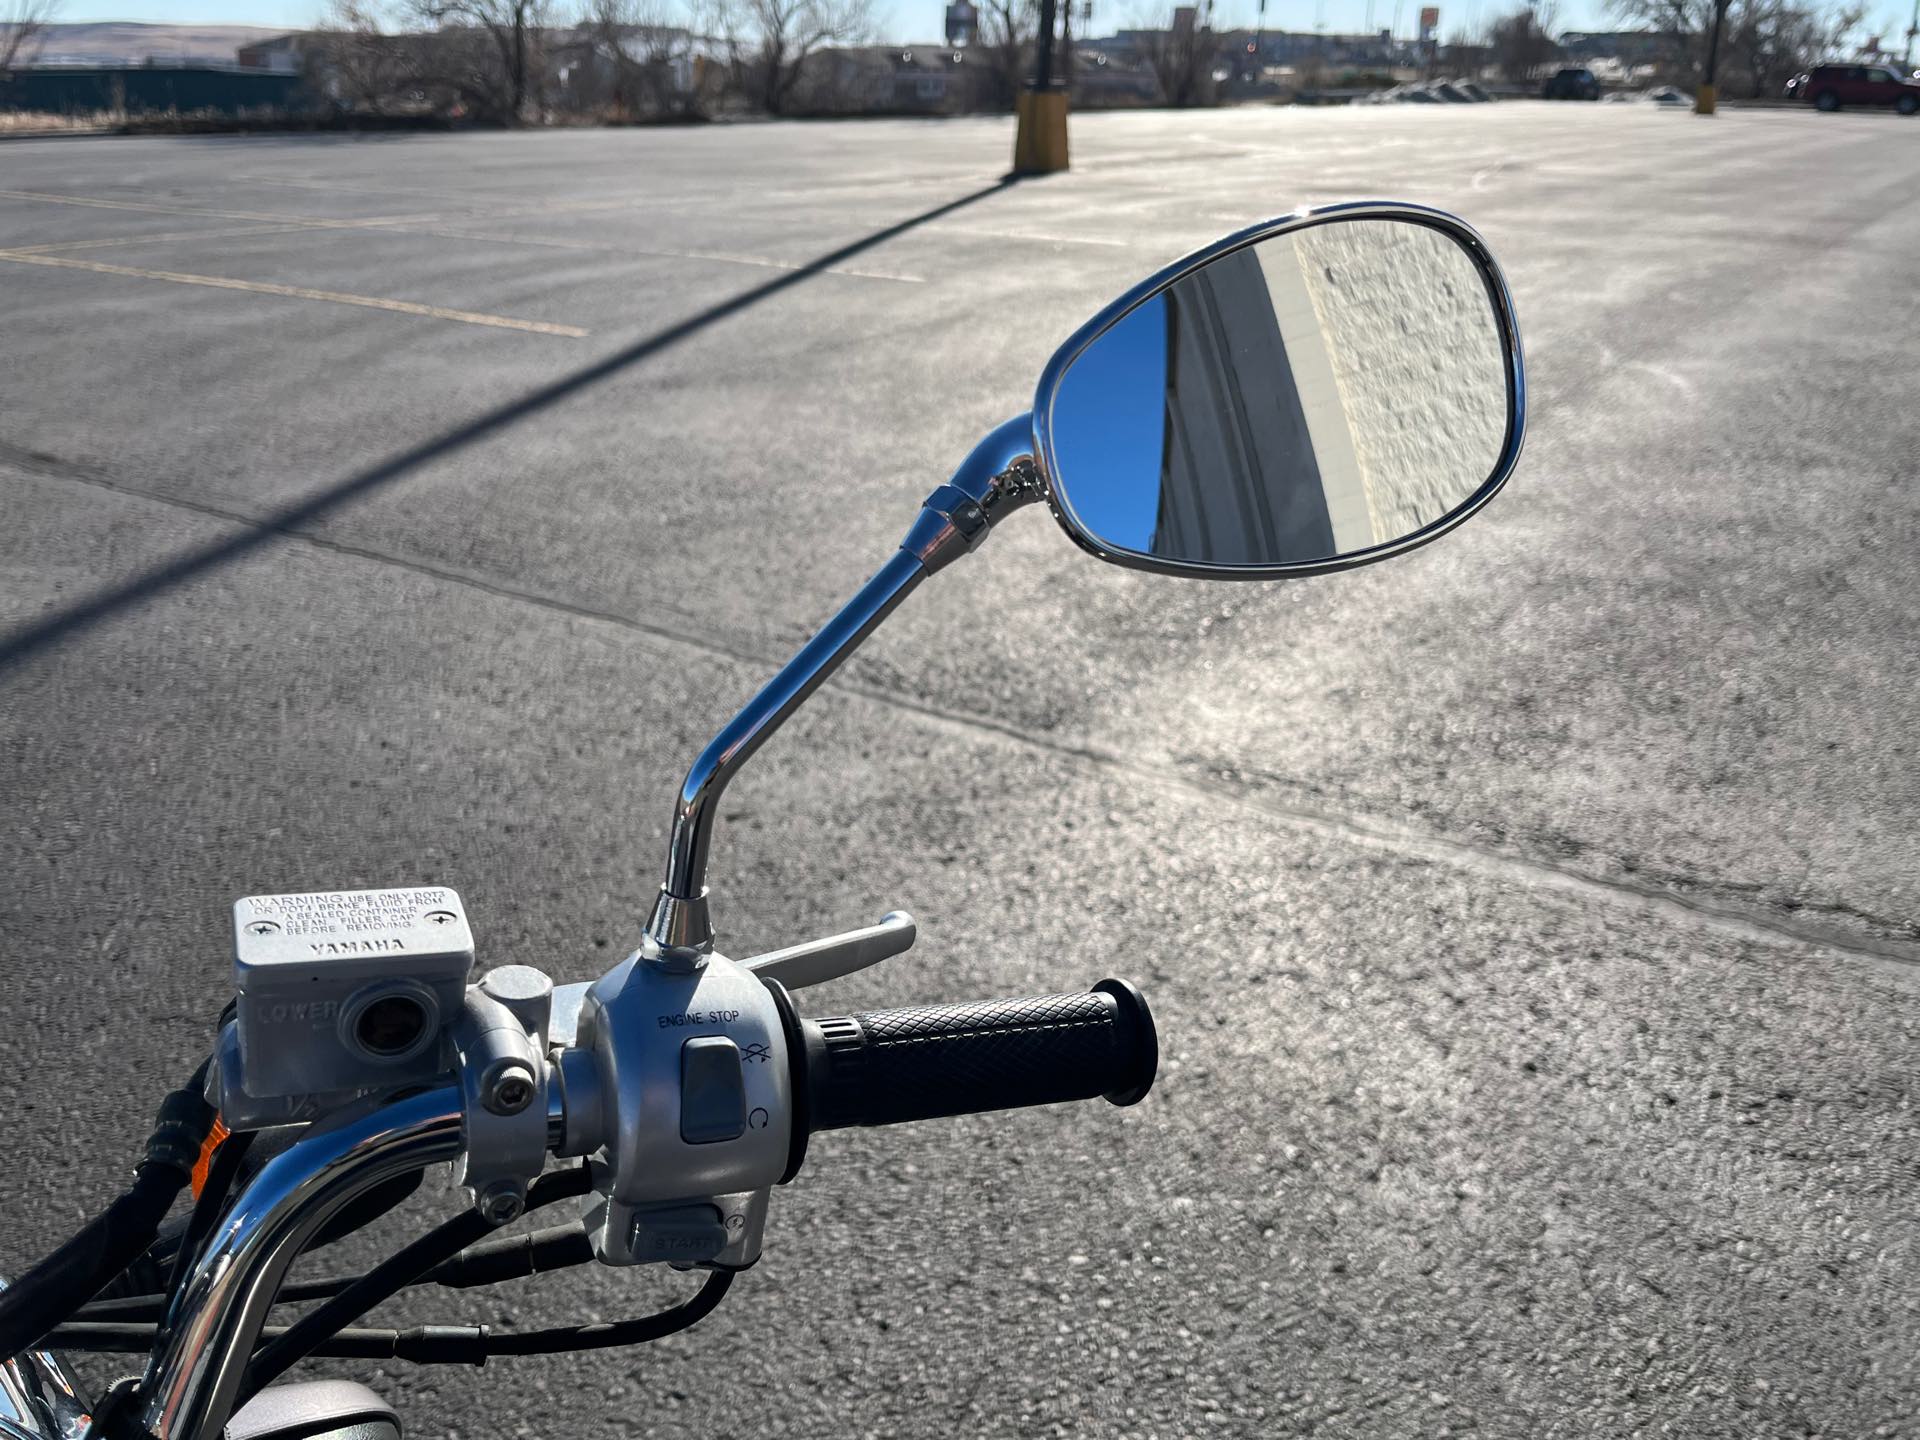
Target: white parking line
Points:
(303, 222)
(300, 292)
(173, 236)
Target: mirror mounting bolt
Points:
(951, 524)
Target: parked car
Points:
(1831, 86)
(1574, 83)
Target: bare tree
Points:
(1765, 40)
(1522, 43)
(359, 63)
(1768, 40)
(1007, 32)
(1682, 26)
(1182, 55)
(500, 83)
(780, 36)
(642, 52)
(22, 24)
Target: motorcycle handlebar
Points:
(886, 1067)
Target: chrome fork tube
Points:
(194, 1379)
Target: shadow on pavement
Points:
(29, 641)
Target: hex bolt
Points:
(500, 1202)
(263, 927)
(507, 1088)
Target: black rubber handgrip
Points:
(887, 1067)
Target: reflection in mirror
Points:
(1321, 392)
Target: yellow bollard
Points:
(1040, 141)
(1703, 100)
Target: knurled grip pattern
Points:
(885, 1067)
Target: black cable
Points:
(393, 1275)
(146, 1277)
(514, 1257)
(424, 1344)
(435, 1344)
(621, 1332)
(504, 1257)
(73, 1274)
(221, 1171)
(143, 1284)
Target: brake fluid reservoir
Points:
(346, 989)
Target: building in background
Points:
(283, 54)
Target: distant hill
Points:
(116, 42)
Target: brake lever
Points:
(795, 967)
(816, 961)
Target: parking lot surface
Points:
(1530, 921)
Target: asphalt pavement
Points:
(1531, 921)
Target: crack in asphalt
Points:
(1729, 918)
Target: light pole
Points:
(1066, 49)
(1706, 98)
(1040, 132)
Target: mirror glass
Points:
(1319, 393)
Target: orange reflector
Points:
(215, 1137)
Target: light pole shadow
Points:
(31, 640)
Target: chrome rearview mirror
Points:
(1312, 393)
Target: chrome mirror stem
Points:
(997, 478)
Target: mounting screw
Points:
(500, 1202)
(263, 927)
(507, 1088)
(438, 917)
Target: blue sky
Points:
(920, 19)
(1109, 422)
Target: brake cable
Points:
(502, 1258)
(436, 1344)
(446, 1253)
(394, 1274)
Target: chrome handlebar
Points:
(688, 1088)
(609, 1079)
(194, 1378)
